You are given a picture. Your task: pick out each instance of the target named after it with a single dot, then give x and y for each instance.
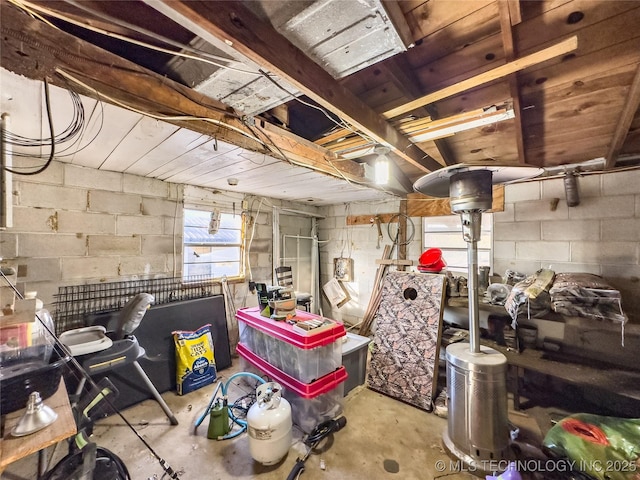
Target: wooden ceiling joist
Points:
(36, 50)
(556, 50)
(399, 74)
(624, 123)
(233, 23)
(510, 13)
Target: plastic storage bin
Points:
(311, 403)
(354, 359)
(305, 356)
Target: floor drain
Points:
(391, 466)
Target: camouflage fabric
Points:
(404, 357)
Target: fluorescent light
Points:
(452, 125)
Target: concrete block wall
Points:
(76, 225)
(600, 235)
(358, 242)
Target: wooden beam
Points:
(35, 50)
(402, 236)
(515, 12)
(507, 9)
(400, 176)
(400, 263)
(371, 219)
(401, 76)
(556, 50)
(419, 205)
(624, 122)
(233, 23)
(399, 21)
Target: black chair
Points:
(284, 276)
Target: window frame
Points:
(240, 277)
(486, 231)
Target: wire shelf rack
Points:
(74, 304)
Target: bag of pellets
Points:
(195, 363)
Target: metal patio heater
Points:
(477, 425)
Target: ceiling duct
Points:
(342, 37)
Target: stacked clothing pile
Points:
(586, 295)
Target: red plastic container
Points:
(305, 390)
(305, 356)
(284, 331)
(311, 403)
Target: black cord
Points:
(249, 399)
(53, 143)
(323, 430)
(395, 239)
(320, 432)
(84, 127)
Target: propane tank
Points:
(269, 424)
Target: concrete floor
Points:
(384, 438)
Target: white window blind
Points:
(445, 233)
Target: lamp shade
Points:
(35, 418)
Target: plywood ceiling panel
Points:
(147, 134)
(172, 147)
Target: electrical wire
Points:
(69, 133)
(395, 239)
(214, 121)
(32, 13)
(85, 127)
(73, 133)
(353, 183)
(199, 56)
(340, 122)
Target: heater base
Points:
(478, 426)
(468, 461)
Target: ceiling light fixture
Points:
(458, 123)
(381, 165)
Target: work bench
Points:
(622, 382)
(584, 373)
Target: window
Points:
(445, 233)
(212, 254)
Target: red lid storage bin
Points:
(303, 356)
(311, 403)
